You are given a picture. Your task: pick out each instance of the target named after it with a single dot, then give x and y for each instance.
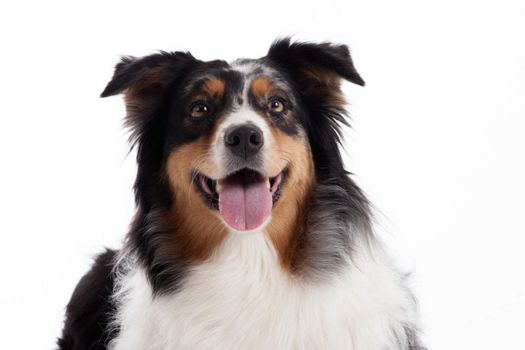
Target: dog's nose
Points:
(244, 140)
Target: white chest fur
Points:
(242, 299)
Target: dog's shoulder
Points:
(89, 310)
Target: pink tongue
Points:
(245, 201)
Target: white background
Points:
(438, 144)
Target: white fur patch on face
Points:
(243, 115)
(244, 66)
(242, 299)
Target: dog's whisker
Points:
(196, 165)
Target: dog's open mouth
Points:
(244, 199)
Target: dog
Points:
(249, 232)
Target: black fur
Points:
(89, 312)
(413, 339)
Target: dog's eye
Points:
(199, 110)
(276, 106)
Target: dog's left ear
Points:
(316, 68)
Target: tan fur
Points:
(213, 88)
(288, 215)
(327, 83)
(200, 230)
(261, 87)
(143, 96)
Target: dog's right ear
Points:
(148, 74)
(143, 82)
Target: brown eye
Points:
(199, 110)
(276, 106)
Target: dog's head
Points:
(234, 147)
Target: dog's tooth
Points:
(268, 185)
(218, 186)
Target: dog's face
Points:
(231, 142)
(236, 143)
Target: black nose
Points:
(244, 140)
